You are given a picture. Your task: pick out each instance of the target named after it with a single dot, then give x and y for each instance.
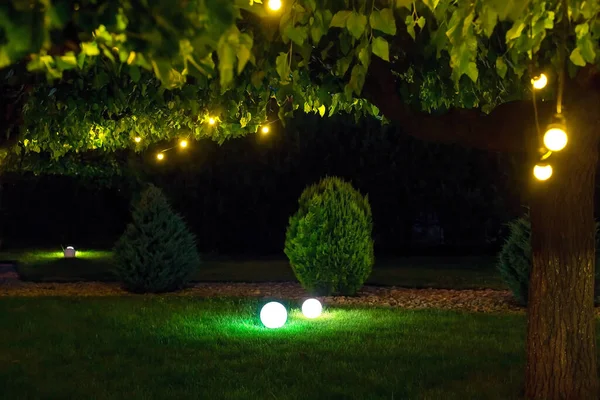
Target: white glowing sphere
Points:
(274, 5)
(273, 315)
(312, 308)
(69, 252)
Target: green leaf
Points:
(257, 79)
(383, 21)
(342, 65)
(357, 79)
(298, 34)
(472, 71)
(508, 9)
(381, 48)
(339, 19)
(488, 18)
(501, 67)
(134, 73)
(66, 62)
(356, 24)
(432, 4)
(421, 22)
(244, 51)
(364, 55)
(404, 3)
(283, 68)
(322, 110)
(576, 58)
(410, 25)
(515, 31)
(90, 49)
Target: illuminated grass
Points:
(170, 347)
(51, 265)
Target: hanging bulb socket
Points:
(556, 138)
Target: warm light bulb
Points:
(555, 138)
(542, 172)
(211, 121)
(137, 139)
(274, 5)
(183, 144)
(160, 156)
(539, 82)
(265, 130)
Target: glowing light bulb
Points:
(160, 156)
(539, 82)
(312, 308)
(211, 121)
(137, 139)
(69, 252)
(265, 130)
(183, 144)
(274, 5)
(273, 315)
(542, 172)
(555, 138)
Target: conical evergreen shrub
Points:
(328, 241)
(157, 252)
(514, 260)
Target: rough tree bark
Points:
(561, 338)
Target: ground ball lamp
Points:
(273, 315)
(312, 308)
(542, 172)
(69, 252)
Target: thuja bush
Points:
(514, 260)
(157, 252)
(329, 239)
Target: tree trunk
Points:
(561, 337)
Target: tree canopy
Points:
(120, 69)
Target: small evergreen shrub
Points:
(157, 252)
(514, 260)
(328, 240)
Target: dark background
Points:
(237, 197)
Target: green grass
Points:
(417, 272)
(150, 347)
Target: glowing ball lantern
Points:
(137, 139)
(69, 252)
(274, 5)
(542, 172)
(212, 121)
(539, 82)
(555, 138)
(183, 144)
(312, 308)
(265, 130)
(160, 156)
(273, 315)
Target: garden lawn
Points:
(413, 272)
(159, 347)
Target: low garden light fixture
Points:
(312, 308)
(69, 252)
(539, 82)
(273, 315)
(274, 5)
(542, 172)
(556, 138)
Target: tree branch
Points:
(507, 128)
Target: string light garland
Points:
(264, 130)
(137, 139)
(183, 143)
(160, 156)
(212, 121)
(542, 172)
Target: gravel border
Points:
(485, 300)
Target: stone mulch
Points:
(487, 300)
